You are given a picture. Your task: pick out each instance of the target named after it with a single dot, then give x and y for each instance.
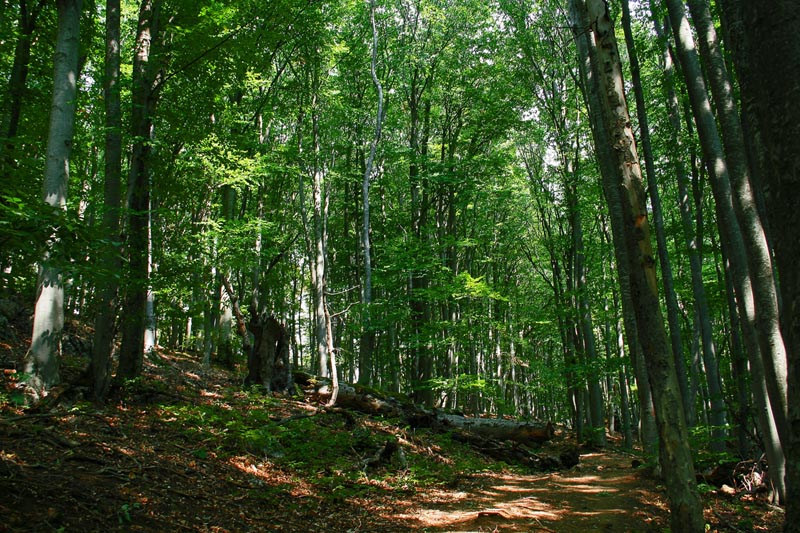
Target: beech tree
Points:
(41, 361)
(108, 282)
(144, 95)
(747, 291)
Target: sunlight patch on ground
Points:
(508, 500)
(522, 509)
(586, 488)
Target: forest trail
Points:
(603, 493)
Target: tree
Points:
(769, 411)
(144, 95)
(28, 16)
(593, 97)
(368, 335)
(768, 62)
(773, 352)
(658, 216)
(675, 455)
(108, 282)
(41, 361)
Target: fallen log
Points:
(500, 428)
(374, 402)
(560, 458)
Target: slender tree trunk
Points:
(686, 220)
(17, 81)
(212, 299)
(673, 313)
(598, 436)
(730, 232)
(695, 258)
(676, 460)
(318, 257)
(773, 352)
(225, 321)
(150, 324)
(367, 344)
(648, 430)
(111, 259)
(627, 426)
(421, 356)
(41, 361)
(768, 62)
(134, 307)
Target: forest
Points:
(579, 212)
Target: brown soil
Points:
(604, 493)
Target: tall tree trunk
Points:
(773, 352)
(730, 232)
(598, 436)
(673, 313)
(318, 256)
(144, 95)
(685, 207)
(111, 260)
(695, 264)
(41, 361)
(17, 81)
(768, 61)
(367, 344)
(648, 430)
(421, 357)
(675, 453)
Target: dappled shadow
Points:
(600, 494)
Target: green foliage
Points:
(704, 456)
(705, 488)
(472, 221)
(124, 512)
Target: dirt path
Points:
(604, 493)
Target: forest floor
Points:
(189, 449)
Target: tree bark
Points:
(768, 62)
(41, 361)
(596, 411)
(675, 454)
(241, 325)
(367, 344)
(319, 258)
(269, 364)
(730, 232)
(144, 97)
(111, 258)
(17, 81)
(673, 313)
(693, 244)
(773, 352)
(648, 433)
(421, 355)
